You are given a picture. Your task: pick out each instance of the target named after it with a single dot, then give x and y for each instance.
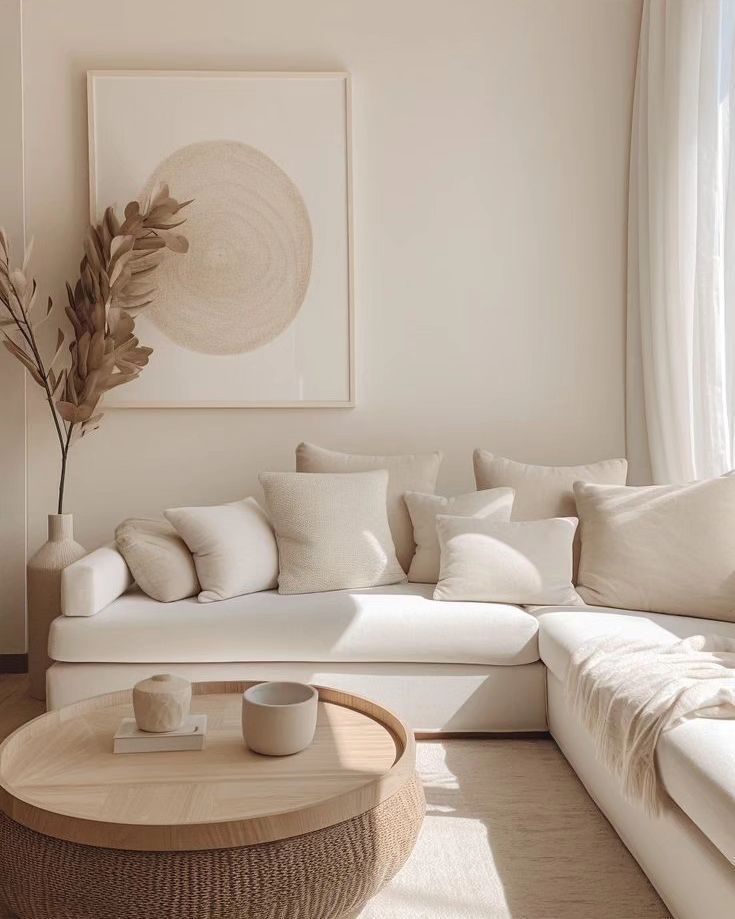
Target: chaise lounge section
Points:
(695, 760)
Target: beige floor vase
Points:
(44, 593)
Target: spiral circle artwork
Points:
(247, 270)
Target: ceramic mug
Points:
(279, 719)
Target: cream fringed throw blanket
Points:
(628, 691)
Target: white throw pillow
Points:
(494, 503)
(525, 562)
(233, 546)
(332, 530)
(659, 548)
(544, 491)
(158, 558)
(408, 472)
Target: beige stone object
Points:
(161, 703)
(86, 833)
(279, 719)
(44, 594)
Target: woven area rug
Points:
(510, 833)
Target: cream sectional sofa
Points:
(446, 667)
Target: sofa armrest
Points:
(89, 585)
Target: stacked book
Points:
(192, 735)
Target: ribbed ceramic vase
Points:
(44, 593)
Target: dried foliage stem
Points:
(63, 431)
(63, 439)
(64, 459)
(112, 288)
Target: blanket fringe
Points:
(627, 692)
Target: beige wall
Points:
(12, 382)
(490, 145)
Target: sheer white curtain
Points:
(681, 249)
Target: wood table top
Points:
(59, 776)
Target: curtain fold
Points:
(681, 223)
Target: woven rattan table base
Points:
(328, 874)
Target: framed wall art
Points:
(259, 312)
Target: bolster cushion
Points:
(89, 585)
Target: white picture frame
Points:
(121, 104)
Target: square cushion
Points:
(233, 546)
(407, 472)
(332, 530)
(524, 562)
(158, 558)
(659, 548)
(495, 504)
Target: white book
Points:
(192, 735)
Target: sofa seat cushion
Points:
(562, 629)
(397, 623)
(696, 759)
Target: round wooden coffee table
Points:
(222, 833)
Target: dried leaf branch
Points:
(113, 287)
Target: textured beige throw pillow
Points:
(408, 472)
(660, 548)
(332, 530)
(494, 503)
(158, 558)
(525, 562)
(233, 546)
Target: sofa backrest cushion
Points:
(659, 548)
(543, 491)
